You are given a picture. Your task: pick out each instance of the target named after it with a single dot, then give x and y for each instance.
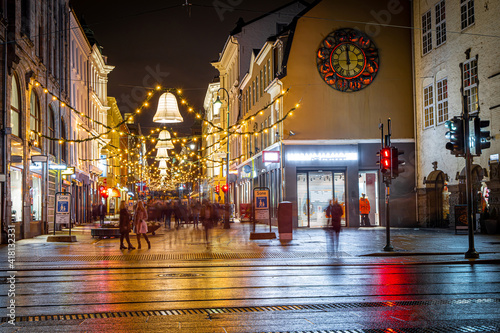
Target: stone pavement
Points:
(357, 246)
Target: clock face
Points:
(347, 60)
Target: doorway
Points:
(368, 184)
(315, 189)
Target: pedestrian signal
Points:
(385, 160)
(396, 162)
(455, 134)
(225, 188)
(481, 137)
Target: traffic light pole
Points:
(471, 253)
(387, 181)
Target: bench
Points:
(105, 232)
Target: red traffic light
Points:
(385, 160)
(104, 192)
(217, 188)
(225, 188)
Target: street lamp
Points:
(217, 106)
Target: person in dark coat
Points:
(336, 214)
(207, 217)
(102, 212)
(124, 227)
(177, 214)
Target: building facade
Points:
(311, 104)
(454, 58)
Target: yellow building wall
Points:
(326, 113)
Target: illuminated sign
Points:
(271, 156)
(57, 166)
(68, 171)
(322, 157)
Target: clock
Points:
(347, 60)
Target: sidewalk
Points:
(357, 246)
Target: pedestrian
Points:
(125, 226)
(364, 210)
(328, 214)
(102, 213)
(168, 213)
(336, 212)
(141, 227)
(196, 209)
(177, 214)
(207, 216)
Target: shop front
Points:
(317, 174)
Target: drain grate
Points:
(314, 307)
(187, 256)
(441, 329)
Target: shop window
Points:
(36, 197)
(15, 108)
(52, 131)
(466, 13)
(442, 101)
(35, 121)
(440, 23)
(470, 84)
(16, 194)
(426, 33)
(428, 106)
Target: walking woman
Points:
(124, 227)
(141, 227)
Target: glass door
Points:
(368, 184)
(315, 189)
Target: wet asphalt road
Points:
(236, 285)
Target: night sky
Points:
(164, 41)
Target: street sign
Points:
(261, 204)
(63, 206)
(68, 171)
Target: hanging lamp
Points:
(163, 172)
(168, 110)
(162, 154)
(163, 164)
(164, 140)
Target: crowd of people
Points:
(181, 212)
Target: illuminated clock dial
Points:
(347, 60)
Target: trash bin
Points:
(285, 227)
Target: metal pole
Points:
(471, 253)
(388, 246)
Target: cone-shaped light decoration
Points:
(164, 135)
(163, 164)
(168, 110)
(163, 172)
(162, 154)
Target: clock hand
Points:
(347, 55)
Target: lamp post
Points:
(217, 106)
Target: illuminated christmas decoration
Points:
(168, 110)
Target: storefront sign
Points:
(63, 204)
(261, 204)
(271, 156)
(322, 157)
(68, 171)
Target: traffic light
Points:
(481, 137)
(385, 160)
(455, 134)
(103, 190)
(217, 188)
(396, 162)
(225, 188)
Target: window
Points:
(440, 23)
(14, 108)
(270, 74)
(64, 150)
(257, 89)
(253, 93)
(266, 82)
(466, 13)
(428, 106)
(470, 84)
(442, 101)
(426, 32)
(52, 132)
(35, 120)
(261, 84)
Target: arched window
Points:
(35, 120)
(64, 137)
(52, 131)
(15, 108)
